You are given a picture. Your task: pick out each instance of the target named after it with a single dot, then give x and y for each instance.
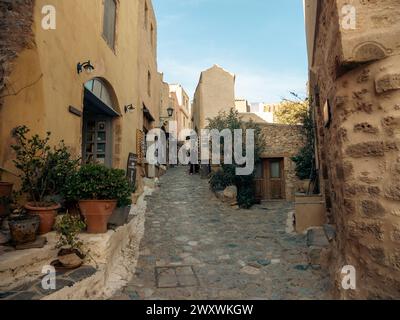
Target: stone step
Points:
(316, 237)
(318, 242)
(330, 232)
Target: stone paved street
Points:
(198, 248)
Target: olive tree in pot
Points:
(43, 172)
(98, 190)
(68, 227)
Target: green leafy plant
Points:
(227, 175)
(220, 180)
(291, 111)
(305, 160)
(43, 169)
(246, 191)
(97, 182)
(62, 166)
(68, 228)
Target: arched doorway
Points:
(98, 114)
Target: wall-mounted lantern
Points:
(129, 108)
(170, 111)
(85, 66)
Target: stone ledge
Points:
(114, 254)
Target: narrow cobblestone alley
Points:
(197, 248)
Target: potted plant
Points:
(68, 227)
(98, 191)
(5, 194)
(121, 214)
(43, 171)
(23, 228)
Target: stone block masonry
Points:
(285, 141)
(356, 94)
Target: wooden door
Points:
(260, 183)
(276, 178)
(97, 147)
(274, 187)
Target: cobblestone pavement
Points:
(198, 248)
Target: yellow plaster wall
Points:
(48, 71)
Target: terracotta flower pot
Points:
(5, 192)
(23, 229)
(70, 259)
(47, 215)
(97, 214)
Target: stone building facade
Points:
(181, 107)
(215, 92)
(276, 177)
(242, 105)
(354, 58)
(40, 86)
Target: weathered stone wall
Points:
(359, 144)
(285, 141)
(16, 19)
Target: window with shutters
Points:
(109, 22)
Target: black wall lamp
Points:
(170, 112)
(85, 66)
(129, 108)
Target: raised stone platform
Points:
(33, 290)
(113, 258)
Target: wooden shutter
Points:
(110, 13)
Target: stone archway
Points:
(100, 117)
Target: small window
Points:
(149, 83)
(275, 169)
(109, 22)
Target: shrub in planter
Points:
(43, 172)
(68, 228)
(98, 190)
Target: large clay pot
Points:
(5, 193)
(23, 229)
(47, 215)
(97, 213)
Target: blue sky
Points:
(261, 41)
